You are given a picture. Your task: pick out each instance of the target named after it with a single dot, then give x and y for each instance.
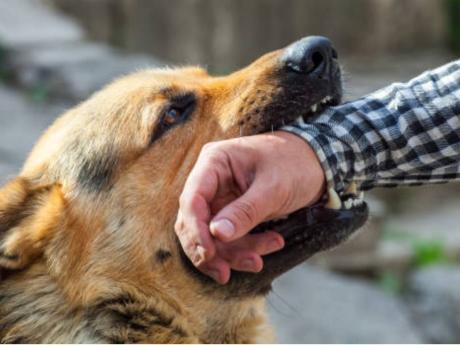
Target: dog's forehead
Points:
(171, 77)
(119, 118)
(157, 84)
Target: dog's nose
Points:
(312, 55)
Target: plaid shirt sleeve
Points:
(404, 134)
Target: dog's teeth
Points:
(333, 201)
(325, 100)
(357, 202)
(314, 108)
(352, 189)
(348, 203)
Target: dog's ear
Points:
(28, 216)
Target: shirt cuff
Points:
(335, 157)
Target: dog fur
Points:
(87, 247)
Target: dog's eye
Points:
(171, 116)
(178, 111)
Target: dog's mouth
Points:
(322, 105)
(299, 93)
(306, 232)
(321, 226)
(310, 230)
(299, 96)
(324, 225)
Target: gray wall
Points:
(224, 34)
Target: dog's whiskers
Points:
(289, 306)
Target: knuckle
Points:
(210, 148)
(193, 204)
(183, 199)
(216, 159)
(188, 203)
(179, 227)
(213, 152)
(189, 249)
(196, 260)
(201, 265)
(246, 212)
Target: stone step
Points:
(308, 305)
(25, 23)
(22, 121)
(45, 52)
(433, 297)
(77, 81)
(71, 71)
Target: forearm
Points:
(402, 134)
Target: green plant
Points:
(425, 252)
(428, 253)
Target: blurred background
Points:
(398, 280)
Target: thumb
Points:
(240, 216)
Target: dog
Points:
(88, 251)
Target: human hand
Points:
(237, 184)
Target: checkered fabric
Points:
(404, 134)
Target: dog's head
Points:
(98, 196)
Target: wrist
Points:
(333, 154)
(308, 175)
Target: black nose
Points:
(312, 55)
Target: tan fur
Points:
(81, 262)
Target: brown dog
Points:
(87, 246)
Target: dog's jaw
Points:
(309, 230)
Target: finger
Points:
(262, 244)
(218, 269)
(195, 239)
(247, 261)
(194, 212)
(245, 253)
(239, 217)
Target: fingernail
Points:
(275, 245)
(223, 227)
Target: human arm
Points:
(403, 134)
